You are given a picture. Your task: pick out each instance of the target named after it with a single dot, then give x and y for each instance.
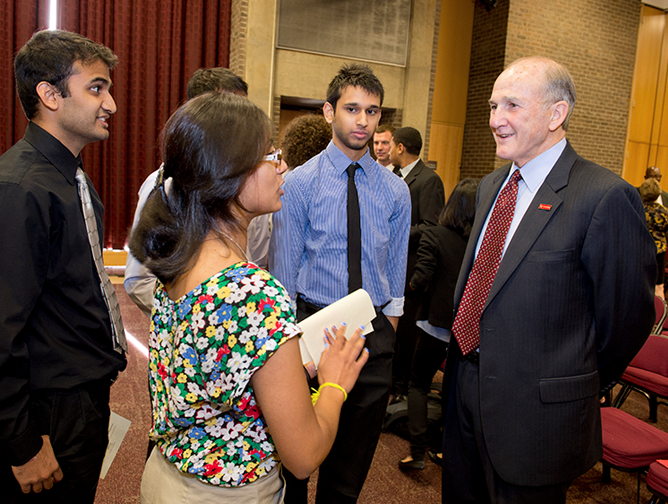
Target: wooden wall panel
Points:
(636, 162)
(445, 148)
(646, 74)
(647, 139)
(661, 162)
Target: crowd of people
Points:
(534, 287)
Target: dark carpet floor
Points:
(386, 483)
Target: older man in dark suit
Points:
(427, 201)
(554, 299)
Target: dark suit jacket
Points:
(427, 201)
(438, 260)
(571, 304)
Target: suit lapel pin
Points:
(544, 206)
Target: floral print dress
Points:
(656, 216)
(204, 349)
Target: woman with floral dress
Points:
(229, 395)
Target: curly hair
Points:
(304, 137)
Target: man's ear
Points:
(328, 112)
(559, 114)
(48, 95)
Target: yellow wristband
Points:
(316, 393)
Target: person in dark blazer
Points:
(427, 200)
(440, 255)
(568, 308)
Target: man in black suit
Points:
(427, 201)
(549, 325)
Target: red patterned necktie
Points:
(466, 326)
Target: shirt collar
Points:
(52, 149)
(536, 171)
(407, 169)
(341, 162)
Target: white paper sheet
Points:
(356, 309)
(118, 427)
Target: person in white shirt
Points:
(139, 281)
(381, 145)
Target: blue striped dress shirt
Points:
(308, 250)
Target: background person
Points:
(381, 145)
(227, 385)
(139, 282)
(439, 258)
(304, 137)
(656, 216)
(654, 172)
(427, 200)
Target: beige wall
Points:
(272, 72)
(308, 75)
(647, 139)
(260, 52)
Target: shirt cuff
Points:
(395, 308)
(24, 447)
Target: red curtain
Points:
(160, 43)
(21, 20)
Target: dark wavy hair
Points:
(459, 211)
(215, 79)
(210, 146)
(304, 137)
(49, 56)
(355, 75)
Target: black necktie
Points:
(354, 233)
(397, 171)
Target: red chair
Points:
(629, 444)
(657, 482)
(648, 374)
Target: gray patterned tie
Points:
(108, 292)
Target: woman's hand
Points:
(343, 359)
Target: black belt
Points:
(311, 308)
(473, 357)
